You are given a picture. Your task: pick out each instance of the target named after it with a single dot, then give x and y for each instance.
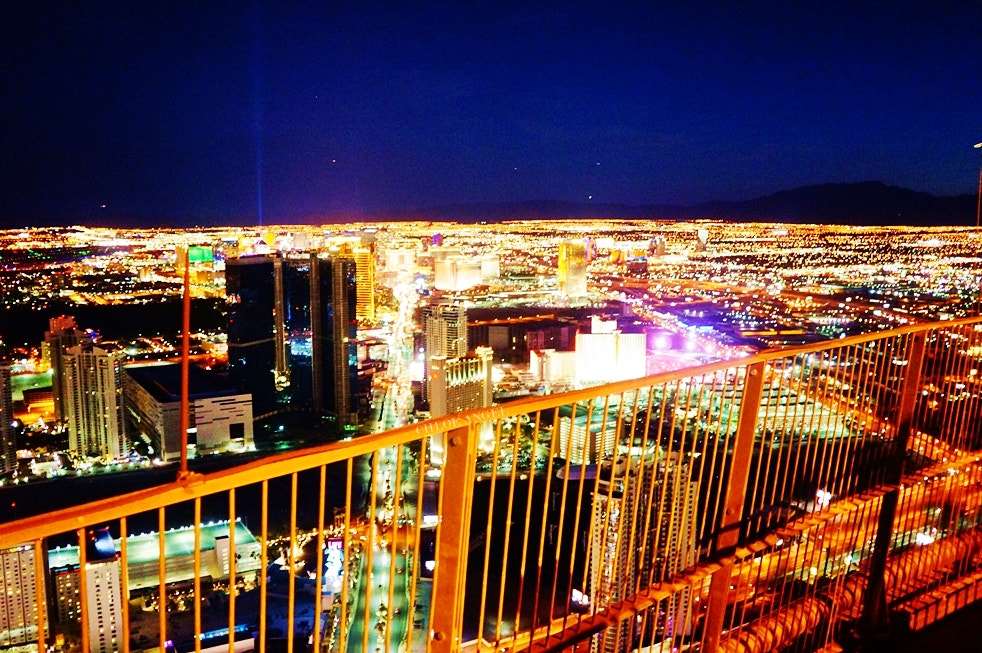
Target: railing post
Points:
(875, 620)
(453, 532)
(736, 491)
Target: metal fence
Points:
(793, 500)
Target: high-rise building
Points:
(19, 587)
(445, 334)
(63, 334)
(445, 328)
(103, 586)
(365, 280)
(460, 384)
(291, 333)
(8, 448)
(572, 268)
(587, 433)
(103, 592)
(93, 391)
(643, 532)
(456, 385)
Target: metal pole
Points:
(875, 620)
(185, 364)
(728, 536)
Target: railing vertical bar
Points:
(508, 523)
(581, 491)
(842, 433)
(39, 597)
(701, 458)
(843, 393)
(765, 419)
(947, 441)
(346, 575)
(919, 418)
(528, 523)
(83, 593)
(962, 403)
(818, 396)
(722, 436)
(540, 560)
(659, 492)
(264, 563)
(959, 369)
(698, 458)
(456, 495)
(197, 575)
(124, 585)
(417, 523)
(651, 510)
(368, 579)
(875, 616)
(562, 505)
(887, 397)
(319, 578)
(975, 374)
(291, 556)
(496, 452)
(790, 437)
(638, 546)
(162, 577)
(729, 534)
(949, 351)
(232, 572)
(394, 547)
(882, 402)
(774, 424)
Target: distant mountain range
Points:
(865, 203)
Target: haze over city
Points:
(259, 112)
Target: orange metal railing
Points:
(790, 500)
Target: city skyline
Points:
(254, 113)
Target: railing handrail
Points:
(195, 485)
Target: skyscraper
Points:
(291, 332)
(63, 334)
(572, 268)
(93, 390)
(8, 448)
(460, 384)
(643, 532)
(365, 262)
(19, 585)
(445, 334)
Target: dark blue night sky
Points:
(200, 112)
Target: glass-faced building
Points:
(291, 333)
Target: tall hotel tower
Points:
(291, 333)
(92, 387)
(643, 532)
(19, 586)
(365, 263)
(63, 334)
(445, 334)
(8, 448)
(572, 268)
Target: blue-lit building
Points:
(291, 333)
